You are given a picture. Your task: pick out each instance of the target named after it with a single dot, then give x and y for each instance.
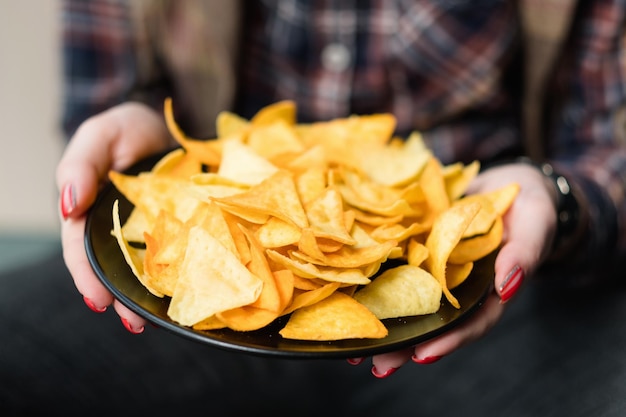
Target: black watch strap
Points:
(567, 206)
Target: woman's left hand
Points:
(529, 227)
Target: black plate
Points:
(109, 264)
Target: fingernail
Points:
(511, 284)
(126, 324)
(385, 374)
(426, 360)
(355, 361)
(94, 307)
(68, 200)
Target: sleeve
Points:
(98, 58)
(142, 50)
(589, 135)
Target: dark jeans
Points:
(551, 355)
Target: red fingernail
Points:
(511, 284)
(68, 200)
(426, 360)
(383, 375)
(94, 307)
(355, 361)
(126, 324)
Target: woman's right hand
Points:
(112, 140)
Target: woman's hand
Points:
(529, 228)
(114, 139)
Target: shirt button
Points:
(335, 57)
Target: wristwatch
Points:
(567, 205)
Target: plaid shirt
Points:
(448, 68)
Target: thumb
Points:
(114, 139)
(527, 237)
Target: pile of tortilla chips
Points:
(275, 218)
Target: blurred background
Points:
(29, 128)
